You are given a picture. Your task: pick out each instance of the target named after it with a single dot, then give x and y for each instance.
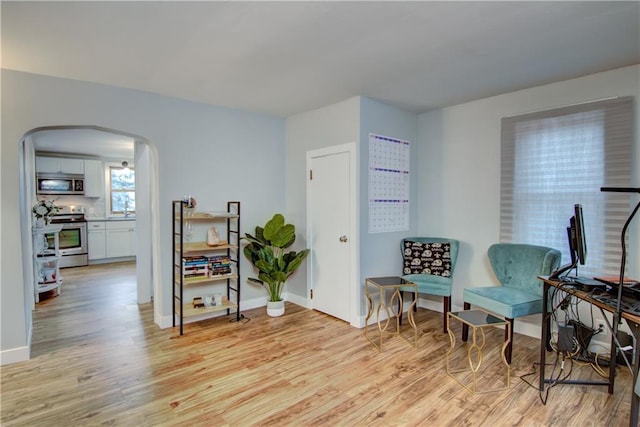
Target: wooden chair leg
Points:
(446, 308)
(509, 335)
(465, 328)
(400, 307)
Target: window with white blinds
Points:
(554, 159)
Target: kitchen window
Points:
(122, 190)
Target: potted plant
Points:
(267, 252)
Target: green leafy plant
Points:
(266, 251)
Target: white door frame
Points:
(353, 229)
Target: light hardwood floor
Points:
(98, 359)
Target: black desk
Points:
(632, 320)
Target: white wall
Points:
(380, 252)
(325, 127)
(350, 121)
(460, 169)
(213, 153)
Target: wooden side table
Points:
(382, 286)
(478, 321)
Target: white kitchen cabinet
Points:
(97, 240)
(121, 238)
(93, 178)
(59, 165)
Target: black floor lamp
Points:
(635, 400)
(623, 260)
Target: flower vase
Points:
(40, 222)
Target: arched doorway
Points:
(145, 159)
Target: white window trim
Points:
(107, 187)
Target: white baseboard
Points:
(296, 299)
(18, 354)
(165, 322)
(111, 260)
(14, 355)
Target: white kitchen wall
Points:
(213, 153)
(459, 159)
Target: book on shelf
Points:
(195, 260)
(201, 267)
(220, 272)
(195, 268)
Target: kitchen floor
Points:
(104, 299)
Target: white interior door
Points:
(331, 225)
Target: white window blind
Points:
(554, 159)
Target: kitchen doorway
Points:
(145, 159)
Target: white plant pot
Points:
(275, 308)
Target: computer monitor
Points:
(577, 243)
(581, 241)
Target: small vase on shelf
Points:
(189, 205)
(40, 222)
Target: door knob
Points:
(343, 238)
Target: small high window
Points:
(122, 190)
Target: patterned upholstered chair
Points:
(517, 267)
(429, 262)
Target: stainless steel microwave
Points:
(59, 183)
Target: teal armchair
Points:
(429, 262)
(517, 267)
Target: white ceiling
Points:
(283, 58)
(84, 141)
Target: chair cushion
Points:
(507, 302)
(427, 284)
(432, 258)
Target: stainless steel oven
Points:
(72, 240)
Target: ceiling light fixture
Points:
(125, 166)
